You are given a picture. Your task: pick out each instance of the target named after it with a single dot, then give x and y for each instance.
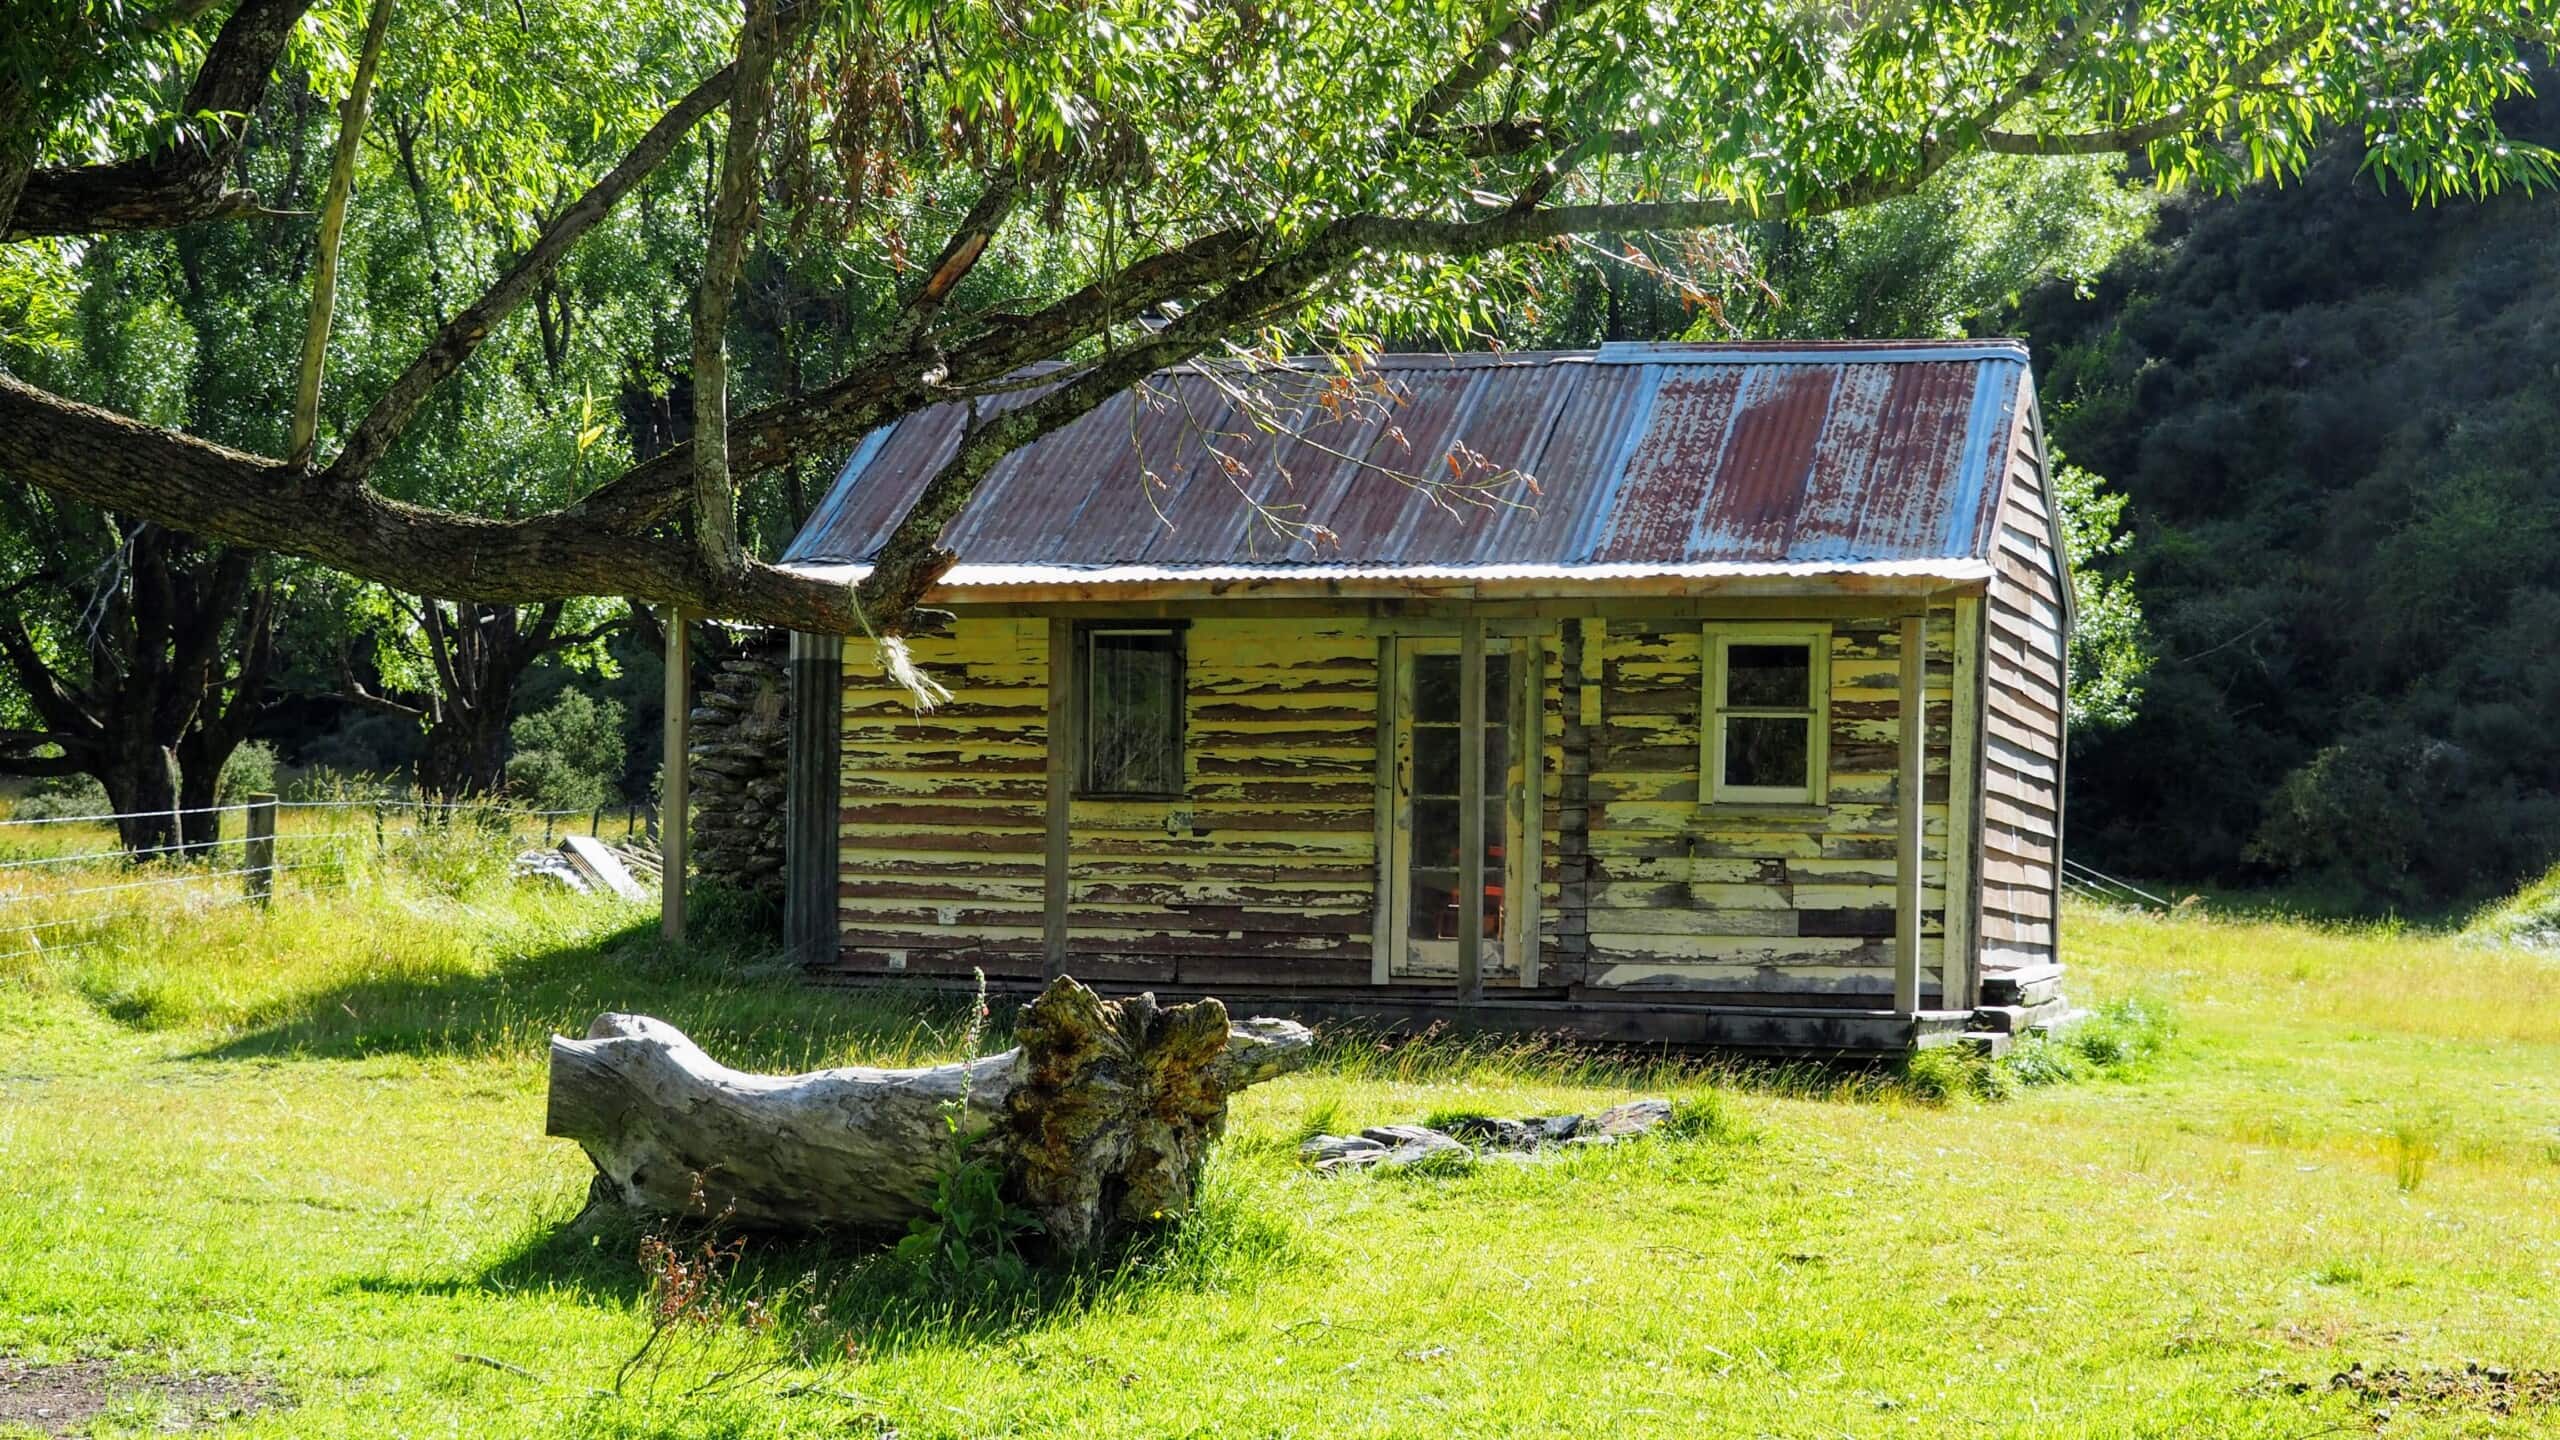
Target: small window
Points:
(1132, 711)
(1766, 732)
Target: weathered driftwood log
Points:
(1100, 1117)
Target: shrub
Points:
(61, 797)
(2124, 1036)
(2529, 917)
(568, 757)
(1703, 1117)
(251, 770)
(1945, 1075)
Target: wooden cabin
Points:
(1709, 694)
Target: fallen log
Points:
(1099, 1118)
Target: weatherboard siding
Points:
(945, 811)
(1710, 901)
(1264, 871)
(1267, 870)
(2024, 662)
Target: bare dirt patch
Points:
(2481, 1387)
(62, 1399)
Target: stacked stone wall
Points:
(741, 757)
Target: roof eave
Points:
(1022, 585)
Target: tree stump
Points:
(1099, 1117)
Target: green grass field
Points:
(303, 1149)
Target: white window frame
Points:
(1717, 640)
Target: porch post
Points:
(676, 778)
(1471, 811)
(1386, 924)
(1910, 818)
(1960, 964)
(814, 789)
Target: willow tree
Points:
(1203, 173)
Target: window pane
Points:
(1770, 676)
(1764, 750)
(1435, 689)
(1435, 760)
(1435, 905)
(1435, 832)
(1497, 756)
(1133, 714)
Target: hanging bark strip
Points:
(1100, 1119)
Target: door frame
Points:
(1521, 647)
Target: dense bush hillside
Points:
(2338, 420)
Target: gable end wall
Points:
(2025, 655)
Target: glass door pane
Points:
(1431, 797)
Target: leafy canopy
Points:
(1157, 179)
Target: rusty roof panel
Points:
(1662, 456)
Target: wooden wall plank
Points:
(1061, 729)
(1909, 796)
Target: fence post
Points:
(260, 847)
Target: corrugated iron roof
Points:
(1642, 460)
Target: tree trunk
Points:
(1099, 1119)
(465, 754)
(141, 789)
(170, 655)
(199, 827)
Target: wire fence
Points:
(2101, 888)
(66, 881)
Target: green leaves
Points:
(971, 1241)
(2111, 648)
(1335, 176)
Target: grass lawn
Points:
(304, 1149)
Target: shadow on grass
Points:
(851, 1293)
(725, 987)
(1441, 1056)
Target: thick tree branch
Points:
(18, 757)
(2089, 142)
(374, 434)
(2125, 139)
(715, 498)
(64, 713)
(182, 182)
(121, 464)
(894, 383)
(969, 240)
(1492, 55)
